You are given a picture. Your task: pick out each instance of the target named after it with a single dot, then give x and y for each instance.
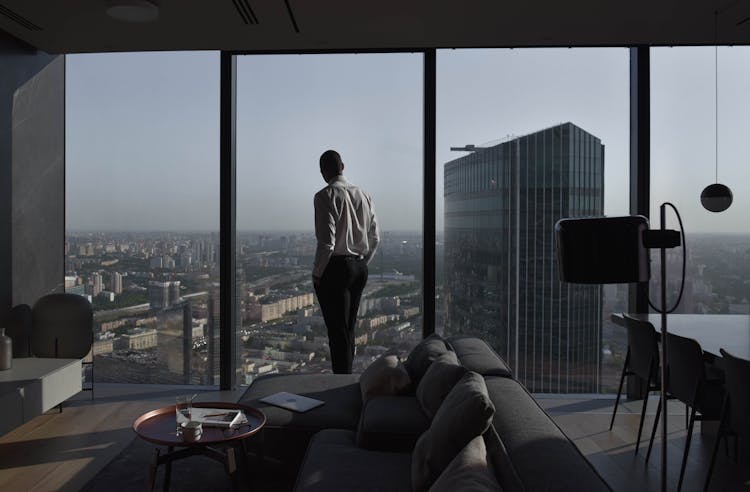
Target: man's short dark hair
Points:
(330, 161)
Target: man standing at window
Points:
(347, 235)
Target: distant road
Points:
(195, 294)
(298, 274)
(139, 308)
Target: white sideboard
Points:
(33, 386)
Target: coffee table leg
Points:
(168, 470)
(245, 456)
(260, 447)
(232, 467)
(243, 463)
(152, 470)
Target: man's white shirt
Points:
(345, 223)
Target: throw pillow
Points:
(385, 376)
(438, 381)
(423, 354)
(469, 471)
(464, 414)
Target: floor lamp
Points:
(614, 250)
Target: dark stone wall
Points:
(32, 173)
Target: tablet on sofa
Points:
(290, 401)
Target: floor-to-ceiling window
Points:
(142, 211)
(549, 129)
(524, 138)
(290, 109)
(684, 154)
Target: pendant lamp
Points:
(716, 197)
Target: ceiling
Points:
(77, 26)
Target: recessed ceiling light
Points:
(133, 10)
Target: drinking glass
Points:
(183, 410)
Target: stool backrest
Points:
(644, 348)
(685, 367)
(63, 326)
(19, 330)
(737, 383)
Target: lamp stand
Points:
(663, 268)
(662, 239)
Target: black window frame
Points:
(228, 199)
(639, 185)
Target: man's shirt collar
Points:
(338, 178)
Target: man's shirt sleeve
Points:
(373, 234)
(325, 233)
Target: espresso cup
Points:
(192, 431)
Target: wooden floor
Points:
(586, 422)
(64, 451)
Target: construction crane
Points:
(468, 148)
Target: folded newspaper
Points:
(218, 417)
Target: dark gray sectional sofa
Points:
(345, 445)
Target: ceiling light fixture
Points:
(133, 10)
(716, 197)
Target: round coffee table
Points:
(226, 446)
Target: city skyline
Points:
(716, 269)
(156, 304)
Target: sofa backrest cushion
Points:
(475, 355)
(499, 460)
(384, 376)
(468, 471)
(438, 381)
(391, 423)
(465, 414)
(423, 354)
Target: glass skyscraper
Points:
(501, 274)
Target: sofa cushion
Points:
(465, 414)
(475, 355)
(340, 392)
(422, 355)
(532, 438)
(443, 374)
(334, 462)
(469, 471)
(384, 376)
(391, 423)
(287, 434)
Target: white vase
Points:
(6, 351)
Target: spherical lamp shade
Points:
(716, 197)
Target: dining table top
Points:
(712, 331)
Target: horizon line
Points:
(306, 231)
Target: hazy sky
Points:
(143, 129)
(683, 133)
(292, 108)
(142, 141)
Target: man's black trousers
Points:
(339, 291)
